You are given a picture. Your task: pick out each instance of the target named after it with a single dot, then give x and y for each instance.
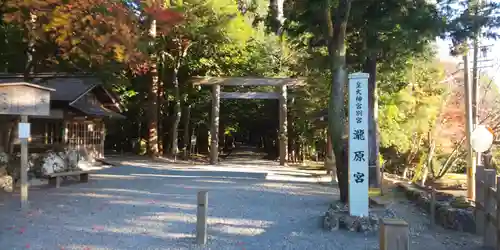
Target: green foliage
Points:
(411, 112)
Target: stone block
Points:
(337, 217)
(456, 218)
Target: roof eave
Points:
(83, 93)
(27, 84)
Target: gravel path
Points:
(152, 206)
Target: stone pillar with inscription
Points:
(358, 144)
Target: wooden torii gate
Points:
(280, 93)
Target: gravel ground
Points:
(153, 206)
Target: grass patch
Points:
(455, 177)
(374, 192)
(309, 165)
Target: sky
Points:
(492, 68)
(489, 65)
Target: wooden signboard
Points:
(24, 99)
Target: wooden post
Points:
(214, 129)
(201, 218)
(103, 138)
(489, 238)
(24, 168)
(479, 200)
(433, 207)
(283, 137)
(498, 213)
(394, 234)
(187, 136)
(66, 133)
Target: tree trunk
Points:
(373, 150)
(283, 127)
(242, 6)
(450, 161)
(428, 165)
(277, 16)
(214, 125)
(182, 50)
(137, 148)
(12, 135)
(166, 119)
(428, 162)
(336, 115)
(161, 108)
(153, 102)
(2, 137)
(414, 150)
(177, 114)
(329, 155)
(5, 123)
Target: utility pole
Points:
(475, 75)
(471, 166)
(475, 82)
(471, 99)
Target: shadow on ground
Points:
(140, 207)
(152, 205)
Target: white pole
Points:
(201, 218)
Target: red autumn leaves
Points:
(96, 31)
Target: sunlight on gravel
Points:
(137, 206)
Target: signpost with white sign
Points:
(193, 144)
(358, 144)
(24, 129)
(24, 99)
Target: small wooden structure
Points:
(281, 85)
(79, 106)
(19, 98)
(487, 213)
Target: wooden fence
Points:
(487, 213)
